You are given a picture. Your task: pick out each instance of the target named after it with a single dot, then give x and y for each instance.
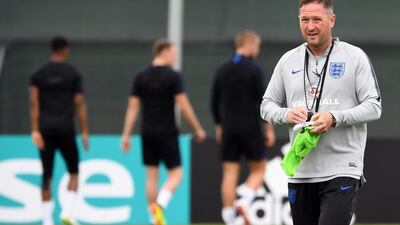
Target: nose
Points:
(310, 26)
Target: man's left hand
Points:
(322, 122)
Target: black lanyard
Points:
(317, 96)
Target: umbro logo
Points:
(296, 71)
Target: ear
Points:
(332, 21)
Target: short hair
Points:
(58, 43)
(246, 36)
(160, 45)
(328, 4)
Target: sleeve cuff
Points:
(336, 115)
(285, 115)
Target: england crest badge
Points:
(336, 69)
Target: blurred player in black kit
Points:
(56, 95)
(156, 90)
(236, 96)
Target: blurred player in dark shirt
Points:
(56, 94)
(236, 97)
(156, 90)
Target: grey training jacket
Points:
(351, 93)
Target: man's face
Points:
(170, 55)
(64, 53)
(316, 24)
(255, 47)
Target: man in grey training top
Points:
(333, 84)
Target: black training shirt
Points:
(57, 83)
(237, 94)
(156, 86)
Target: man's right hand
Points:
(38, 139)
(200, 135)
(297, 116)
(126, 143)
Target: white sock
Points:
(247, 195)
(151, 217)
(69, 202)
(228, 215)
(163, 198)
(48, 207)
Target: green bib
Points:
(303, 143)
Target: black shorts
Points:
(247, 143)
(326, 203)
(157, 148)
(64, 140)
